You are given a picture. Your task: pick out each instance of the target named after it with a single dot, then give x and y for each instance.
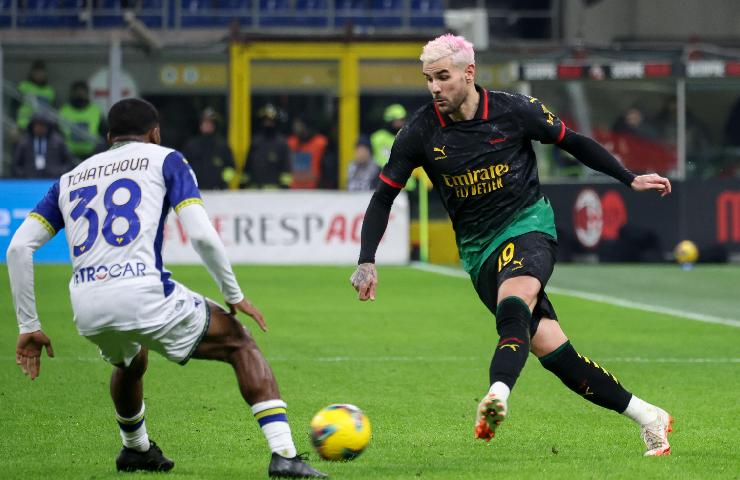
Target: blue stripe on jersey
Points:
(179, 179)
(48, 208)
(164, 275)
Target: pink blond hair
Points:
(449, 45)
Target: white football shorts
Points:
(176, 339)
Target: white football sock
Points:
(271, 415)
(501, 390)
(133, 431)
(640, 411)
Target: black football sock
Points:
(587, 378)
(512, 323)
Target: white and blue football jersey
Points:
(113, 208)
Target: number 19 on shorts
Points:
(506, 256)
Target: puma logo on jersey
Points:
(494, 141)
(518, 264)
(442, 151)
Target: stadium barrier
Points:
(286, 227)
(614, 224)
(17, 199)
(273, 227)
(604, 221)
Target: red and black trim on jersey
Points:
(561, 135)
(390, 182)
(484, 169)
(480, 114)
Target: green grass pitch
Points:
(416, 361)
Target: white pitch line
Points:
(449, 271)
(404, 359)
(620, 302)
(596, 297)
(669, 360)
(413, 359)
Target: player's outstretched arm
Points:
(208, 246)
(590, 153)
(365, 278)
(29, 237)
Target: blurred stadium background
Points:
(657, 82)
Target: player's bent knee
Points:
(225, 339)
(525, 288)
(548, 338)
(239, 340)
(512, 313)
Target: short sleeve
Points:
(406, 155)
(180, 181)
(47, 211)
(538, 122)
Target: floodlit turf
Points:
(416, 361)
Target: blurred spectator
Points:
(268, 162)
(726, 162)
(633, 122)
(209, 154)
(382, 140)
(697, 134)
(363, 171)
(308, 148)
(37, 94)
(82, 122)
(41, 153)
(330, 169)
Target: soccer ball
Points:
(686, 252)
(340, 432)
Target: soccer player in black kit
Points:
(476, 147)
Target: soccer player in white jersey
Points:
(113, 207)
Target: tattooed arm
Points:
(365, 278)
(406, 155)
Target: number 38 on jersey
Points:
(120, 226)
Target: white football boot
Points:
(491, 412)
(655, 434)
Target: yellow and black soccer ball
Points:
(686, 252)
(340, 432)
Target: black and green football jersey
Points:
(484, 169)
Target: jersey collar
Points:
(120, 144)
(480, 114)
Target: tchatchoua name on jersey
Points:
(107, 170)
(477, 182)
